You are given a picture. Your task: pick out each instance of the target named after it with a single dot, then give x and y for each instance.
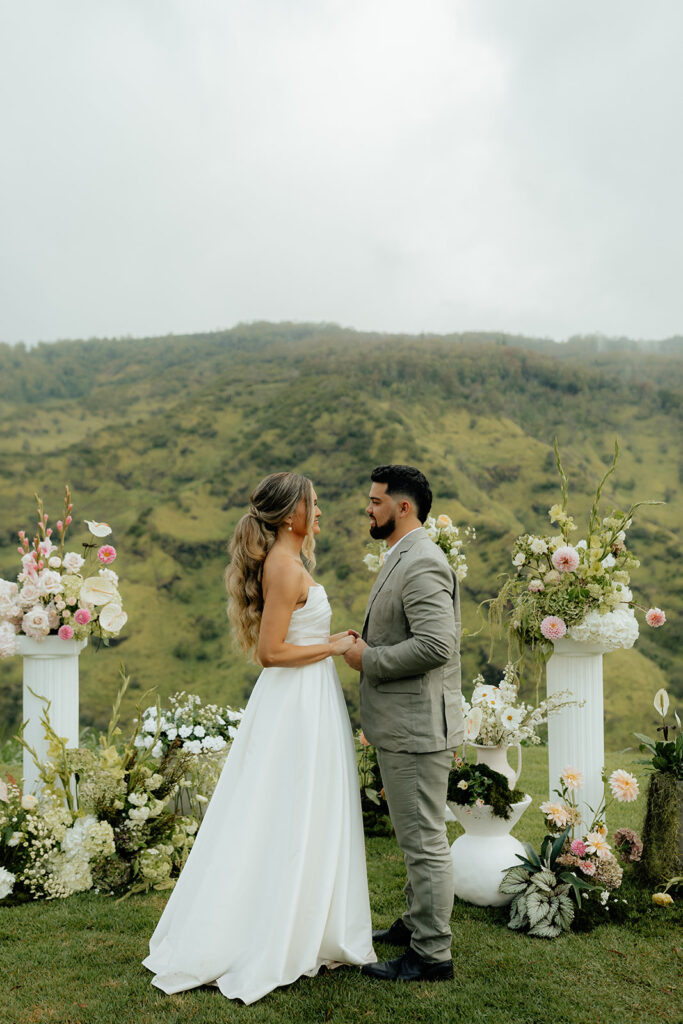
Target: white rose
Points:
(194, 746)
(36, 622)
(199, 731)
(54, 562)
(538, 546)
(519, 559)
(49, 582)
(8, 640)
(29, 801)
(7, 880)
(185, 731)
(72, 561)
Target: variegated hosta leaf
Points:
(515, 880)
(537, 907)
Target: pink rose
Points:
(82, 616)
(106, 554)
(655, 617)
(553, 628)
(578, 847)
(565, 559)
(587, 866)
(65, 632)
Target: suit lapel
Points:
(387, 569)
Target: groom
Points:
(409, 663)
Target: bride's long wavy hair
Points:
(273, 500)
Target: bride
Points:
(275, 885)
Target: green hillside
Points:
(165, 437)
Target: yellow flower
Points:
(662, 899)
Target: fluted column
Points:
(51, 672)
(576, 737)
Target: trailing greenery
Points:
(468, 783)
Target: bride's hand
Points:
(341, 643)
(346, 632)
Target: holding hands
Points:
(350, 645)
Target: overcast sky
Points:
(401, 165)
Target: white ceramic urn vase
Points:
(51, 673)
(483, 854)
(497, 759)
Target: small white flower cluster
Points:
(443, 531)
(495, 716)
(200, 728)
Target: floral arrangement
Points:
(477, 785)
(53, 595)
(445, 534)
(574, 880)
(495, 716)
(194, 728)
(102, 819)
(376, 820)
(580, 590)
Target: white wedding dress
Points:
(275, 885)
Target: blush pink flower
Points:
(65, 632)
(565, 559)
(553, 628)
(106, 554)
(587, 866)
(624, 786)
(578, 847)
(536, 586)
(82, 616)
(572, 778)
(655, 617)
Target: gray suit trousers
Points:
(415, 786)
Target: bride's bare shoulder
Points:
(282, 572)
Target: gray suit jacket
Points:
(410, 680)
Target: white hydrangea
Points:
(614, 630)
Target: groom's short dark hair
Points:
(407, 481)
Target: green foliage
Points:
(468, 783)
(667, 755)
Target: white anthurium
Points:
(98, 529)
(473, 724)
(661, 702)
(113, 618)
(678, 721)
(98, 590)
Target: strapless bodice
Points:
(310, 624)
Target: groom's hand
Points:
(354, 655)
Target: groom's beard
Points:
(378, 532)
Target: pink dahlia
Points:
(106, 554)
(65, 632)
(565, 559)
(578, 847)
(553, 628)
(82, 616)
(655, 617)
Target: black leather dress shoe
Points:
(409, 967)
(398, 935)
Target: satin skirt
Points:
(275, 885)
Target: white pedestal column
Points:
(50, 671)
(576, 736)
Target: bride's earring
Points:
(290, 527)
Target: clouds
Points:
(178, 166)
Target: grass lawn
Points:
(77, 961)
